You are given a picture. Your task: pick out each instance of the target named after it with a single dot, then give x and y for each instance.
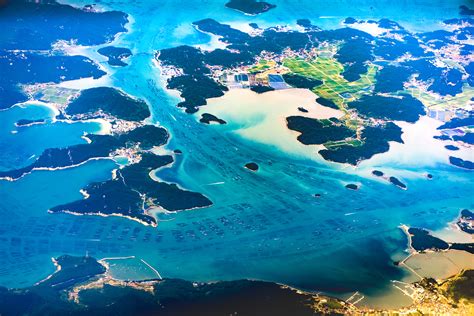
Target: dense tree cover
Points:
(404, 108)
(375, 140)
(315, 131)
(115, 54)
(354, 54)
(99, 147)
(252, 7)
(31, 68)
(298, 81)
(109, 101)
(124, 194)
(466, 164)
(195, 89)
(165, 297)
(261, 89)
(327, 102)
(422, 240)
(459, 122)
(395, 181)
(45, 22)
(207, 118)
(467, 138)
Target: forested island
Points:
(250, 7)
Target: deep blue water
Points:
(264, 226)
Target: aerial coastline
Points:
(372, 125)
(84, 284)
(310, 94)
(125, 131)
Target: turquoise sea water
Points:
(264, 225)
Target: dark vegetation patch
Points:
(315, 131)
(459, 122)
(451, 147)
(461, 286)
(377, 173)
(352, 186)
(465, 218)
(207, 118)
(195, 90)
(390, 49)
(464, 10)
(73, 270)
(27, 25)
(442, 137)
(104, 100)
(391, 78)
(397, 182)
(133, 191)
(354, 55)
(444, 81)
(458, 162)
(252, 166)
(115, 55)
(302, 82)
(46, 22)
(261, 89)
(467, 138)
(25, 122)
(327, 102)
(375, 141)
(30, 68)
(422, 240)
(251, 7)
(404, 108)
(306, 23)
(100, 147)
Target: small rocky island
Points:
(352, 186)
(207, 118)
(250, 7)
(396, 182)
(461, 163)
(116, 55)
(252, 166)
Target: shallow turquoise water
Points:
(21, 145)
(266, 225)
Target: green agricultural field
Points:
(262, 65)
(352, 142)
(334, 86)
(432, 101)
(50, 93)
